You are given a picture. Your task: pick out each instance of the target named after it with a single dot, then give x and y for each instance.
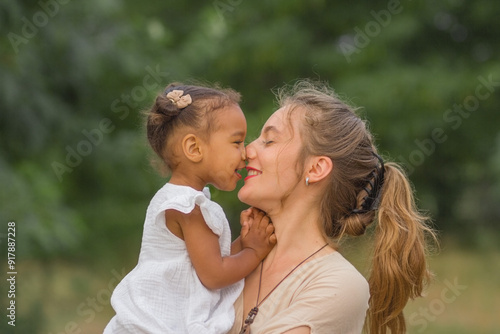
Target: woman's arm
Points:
(202, 244)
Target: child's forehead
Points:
(230, 119)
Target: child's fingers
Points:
(257, 212)
(270, 233)
(264, 223)
(245, 227)
(269, 229)
(245, 216)
(258, 216)
(272, 239)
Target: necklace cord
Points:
(260, 282)
(291, 271)
(245, 329)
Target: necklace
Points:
(253, 312)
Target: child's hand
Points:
(257, 232)
(245, 221)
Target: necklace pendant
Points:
(245, 329)
(251, 315)
(249, 320)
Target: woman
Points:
(316, 172)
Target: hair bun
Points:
(355, 225)
(163, 110)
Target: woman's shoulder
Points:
(333, 283)
(337, 262)
(335, 273)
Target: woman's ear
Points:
(191, 147)
(319, 168)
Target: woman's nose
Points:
(250, 151)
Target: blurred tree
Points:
(75, 77)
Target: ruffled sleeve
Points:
(184, 200)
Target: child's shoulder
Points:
(176, 190)
(181, 197)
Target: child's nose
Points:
(243, 154)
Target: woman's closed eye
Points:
(267, 142)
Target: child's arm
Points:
(202, 244)
(236, 246)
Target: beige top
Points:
(326, 294)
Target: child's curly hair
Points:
(165, 117)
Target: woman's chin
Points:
(244, 196)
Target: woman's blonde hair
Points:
(358, 185)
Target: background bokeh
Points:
(74, 163)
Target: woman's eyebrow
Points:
(270, 128)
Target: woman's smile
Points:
(252, 172)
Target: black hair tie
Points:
(372, 200)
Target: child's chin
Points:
(230, 188)
(227, 186)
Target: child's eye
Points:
(238, 142)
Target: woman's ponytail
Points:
(363, 189)
(399, 270)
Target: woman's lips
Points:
(252, 172)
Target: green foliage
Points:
(77, 83)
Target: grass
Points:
(463, 296)
(61, 297)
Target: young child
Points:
(189, 274)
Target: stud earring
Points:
(307, 181)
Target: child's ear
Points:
(191, 146)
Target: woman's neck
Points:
(298, 232)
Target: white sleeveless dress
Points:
(163, 294)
